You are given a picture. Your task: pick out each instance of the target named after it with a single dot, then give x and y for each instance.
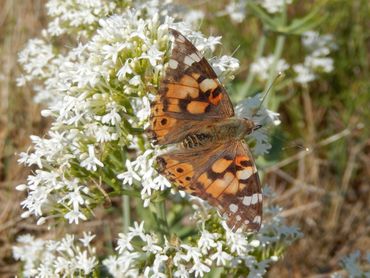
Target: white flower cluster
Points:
(262, 67)
(317, 61)
(141, 252)
(50, 258)
(94, 96)
(77, 16)
(236, 10)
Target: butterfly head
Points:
(246, 127)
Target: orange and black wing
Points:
(189, 94)
(224, 175)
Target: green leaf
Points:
(301, 25)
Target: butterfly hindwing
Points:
(224, 175)
(189, 94)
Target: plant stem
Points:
(273, 71)
(245, 90)
(277, 54)
(126, 213)
(162, 218)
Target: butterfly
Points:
(210, 160)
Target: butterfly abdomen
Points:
(197, 140)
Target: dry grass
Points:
(19, 117)
(331, 210)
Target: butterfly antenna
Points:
(236, 49)
(267, 92)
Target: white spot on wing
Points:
(208, 84)
(173, 64)
(195, 57)
(233, 208)
(254, 199)
(247, 200)
(180, 38)
(257, 219)
(260, 197)
(245, 173)
(188, 61)
(238, 218)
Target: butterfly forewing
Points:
(189, 94)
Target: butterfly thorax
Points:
(221, 131)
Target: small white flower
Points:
(207, 241)
(137, 230)
(124, 70)
(304, 74)
(262, 66)
(161, 183)
(221, 256)
(144, 109)
(130, 175)
(193, 17)
(324, 64)
(192, 253)
(112, 117)
(153, 55)
(181, 272)
(199, 269)
(73, 216)
(313, 41)
(91, 162)
(151, 246)
(236, 10)
(159, 262)
(236, 240)
(85, 263)
(87, 238)
(124, 243)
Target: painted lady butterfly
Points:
(211, 160)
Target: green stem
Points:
(245, 90)
(162, 218)
(273, 70)
(277, 54)
(126, 213)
